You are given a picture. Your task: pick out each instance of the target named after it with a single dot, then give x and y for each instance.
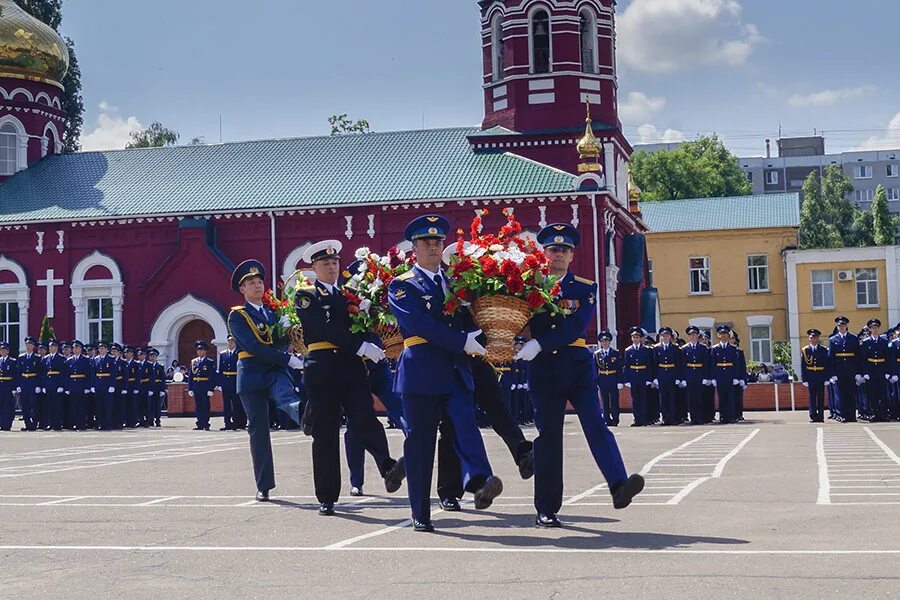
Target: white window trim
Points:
(21, 141)
(858, 171)
(592, 18)
(708, 274)
(168, 324)
(767, 339)
(893, 168)
(758, 267)
(531, 12)
(16, 292)
(772, 175)
(82, 289)
(857, 281)
(99, 321)
(895, 192)
(812, 294)
(496, 43)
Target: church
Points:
(138, 245)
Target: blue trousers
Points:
(105, 400)
(256, 406)
(28, 402)
(694, 392)
(549, 418)
(7, 406)
(610, 395)
(816, 392)
(667, 406)
(725, 391)
(638, 402)
(423, 416)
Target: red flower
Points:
(515, 285)
(510, 269)
(532, 262)
(352, 309)
(555, 290)
(464, 265)
(489, 266)
(534, 299)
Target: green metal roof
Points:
(310, 172)
(735, 212)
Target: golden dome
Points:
(587, 146)
(29, 49)
(634, 192)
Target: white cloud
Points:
(649, 134)
(664, 36)
(889, 141)
(111, 130)
(828, 97)
(639, 107)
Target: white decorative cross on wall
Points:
(50, 283)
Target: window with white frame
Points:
(9, 325)
(100, 319)
(862, 172)
(822, 288)
(699, 274)
(864, 196)
(771, 177)
(540, 42)
(497, 50)
(893, 193)
(866, 287)
(9, 149)
(758, 273)
(761, 343)
(588, 36)
(893, 170)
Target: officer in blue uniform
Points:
(40, 398)
(815, 372)
(562, 370)
(262, 370)
(105, 386)
(54, 391)
(201, 381)
(742, 377)
(876, 371)
(334, 378)
(79, 383)
(724, 361)
(434, 375)
(609, 377)
(29, 365)
(10, 385)
(157, 390)
(843, 354)
(638, 373)
(232, 411)
(667, 361)
(695, 373)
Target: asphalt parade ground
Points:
(774, 507)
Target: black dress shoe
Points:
(226, 428)
(326, 509)
(395, 476)
(450, 504)
(422, 527)
(262, 496)
(485, 495)
(198, 428)
(547, 521)
(627, 490)
(526, 465)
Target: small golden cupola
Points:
(588, 148)
(634, 194)
(29, 49)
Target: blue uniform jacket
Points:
(54, 371)
(260, 354)
(79, 374)
(105, 370)
(227, 373)
(695, 363)
(609, 368)
(844, 355)
(9, 376)
(563, 355)
(157, 379)
(434, 354)
(874, 354)
(725, 365)
(668, 363)
(202, 377)
(30, 370)
(814, 364)
(638, 367)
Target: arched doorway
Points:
(190, 333)
(171, 328)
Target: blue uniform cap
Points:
(129, 349)
(152, 352)
(692, 329)
(723, 329)
(248, 268)
(66, 344)
(230, 337)
(116, 346)
(636, 330)
(53, 343)
(4, 346)
(201, 345)
(44, 345)
(871, 322)
(605, 335)
(102, 344)
(842, 320)
(427, 227)
(323, 249)
(559, 235)
(31, 340)
(663, 330)
(813, 332)
(141, 350)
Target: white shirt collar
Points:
(328, 286)
(431, 275)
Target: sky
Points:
(744, 69)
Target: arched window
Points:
(540, 42)
(588, 36)
(499, 60)
(9, 149)
(98, 295)
(13, 303)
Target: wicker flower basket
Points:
(295, 335)
(501, 318)
(392, 339)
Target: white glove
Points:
(706, 382)
(68, 393)
(713, 382)
(529, 351)
(649, 383)
(628, 385)
(111, 389)
(833, 379)
(18, 390)
(284, 321)
(135, 392)
(87, 391)
(370, 351)
(93, 391)
(149, 394)
(59, 390)
(656, 383)
(210, 394)
(894, 379)
(44, 390)
(858, 379)
(37, 390)
(162, 394)
(678, 382)
(190, 393)
(474, 347)
(735, 382)
(684, 384)
(866, 377)
(619, 386)
(124, 392)
(743, 384)
(887, 375)
(219, 387)
(295, 363)
(805, 384)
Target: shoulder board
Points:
(238, 308)
(657, 345)
(311, 287)
(583, 280)
(408, 275)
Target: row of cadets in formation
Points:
(59, 385)
(859, 372)
(673, 381)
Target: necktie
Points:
(439, 282)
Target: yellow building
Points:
(719, 261)
(858, 283)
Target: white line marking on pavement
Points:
(824, 485)
(668, 453)
(62, 501)
(158, 501)
(717, 472)
(882, 445)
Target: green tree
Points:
(154, 136)
(827, 218)
(816, 227)
(703, 168)
(46, 330)
(781, 354)
(50, 12)
(883, 225)
(341, 124)
(198, 141)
